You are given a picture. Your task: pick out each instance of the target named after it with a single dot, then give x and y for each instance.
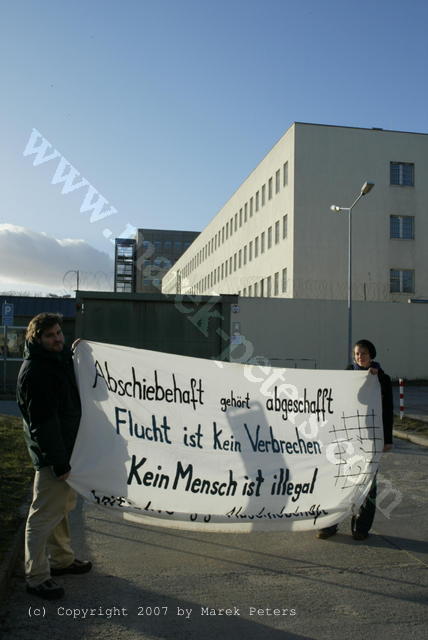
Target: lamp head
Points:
(367, 186)
(335, 208)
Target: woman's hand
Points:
(75, 343)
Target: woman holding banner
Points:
(364, 359)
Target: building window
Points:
(284, 280)
(285, 174)
(222, 235)
(262, 242)
(227, 230)
(402, 173)
(257, 201)
(240, 259)
(277, 232)
(244, 292)
(245, 255)
(269, 238)
(222, 270)
(402, 227)
(234, 262)
(270, 189)
(277, 181)
(262, 288)
(401, 281)
(240, 217)
(284, 226)
(256, 247)
(251, 207)
(231, 226)
(269, 287)
(225, 269)
(230, 265)
(250, 251)
(276, 284)
(256, 289)
(263, 195)
(236, 222)
(245, 212)
(250, 290)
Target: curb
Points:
(411, 436)
(10, 559)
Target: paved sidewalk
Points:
(339, 589)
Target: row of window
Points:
(401, 227)
(263, 288)
(400, 281)
(249, 252)
(166, 245)
(246, 212)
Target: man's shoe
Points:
(47, 589)
(76, 567)
(359, 535)
(327, 532)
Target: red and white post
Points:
(401, 383)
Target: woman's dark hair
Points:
(366, 344)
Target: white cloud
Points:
(31, 260)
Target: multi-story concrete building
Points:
(141, 263)
(277, 236)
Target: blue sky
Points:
(164, 107)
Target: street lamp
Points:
(365, 189)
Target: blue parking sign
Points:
(7, 314)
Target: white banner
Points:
(192, 443)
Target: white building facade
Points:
(277, 237)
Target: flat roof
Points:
(339, 126)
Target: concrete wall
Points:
(313, 333)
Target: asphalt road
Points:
(415, 401)
(159, 579)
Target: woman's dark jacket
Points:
(387, 404)
(49, 401)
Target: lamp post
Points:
(367, 186)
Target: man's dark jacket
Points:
(48, 397)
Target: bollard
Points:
(401, 383)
